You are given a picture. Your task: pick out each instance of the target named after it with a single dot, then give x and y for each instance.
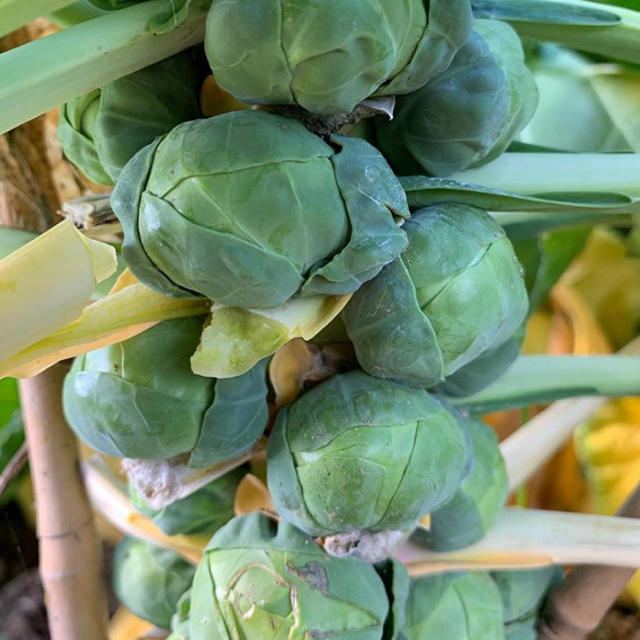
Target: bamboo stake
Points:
(70, 553)
(579, 603)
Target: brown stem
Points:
(578, 604)
(14, 467)
(70, 553)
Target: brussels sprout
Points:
(357, 453)
(522, 592)
(102, 130)
(149, 580)
(485, 369)
(328, 56)
(203, 512)
(455, 606)
(454, 294)
(259, 582)
(248, 208)
(139, 399)
(468, 114)
(474, 507)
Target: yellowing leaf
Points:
(608, 279)
(235, 339)
(252, 495)
(125, 626)
(130, 310)
(46, 283)
(214, 100)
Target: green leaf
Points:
(87, 56)
(544, 379)
(586, 26)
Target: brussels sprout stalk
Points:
(557, 183)
(543, 379)
(528, 538)
(89, 55)
(16, 13)
(587, 26)
(559, 173)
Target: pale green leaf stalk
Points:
(87, 56)
(586, 26)
(16, 13)
(544, 379)
(542, 183)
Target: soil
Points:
(23, 615)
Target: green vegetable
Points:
(358, 453)
(522, 594)
(262, 581)
(102, 130)
(571, 114)
(328, 56)
(11, 429)
(468, 114)
(455, 606)
(466, 518)
(454, 294)
(139, 399)
(203, 512)
(249, 208)
(181, 620)
(483, 370)
(149, 580)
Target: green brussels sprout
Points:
(455, 293)
(248, 208)
(102, 130)
(476, 504)
(149, 580)
(468, 114)
(358, 453)
(328, 56)
(522, 592)
(262, 582)
(139, 399)
(201, 513)
(455, 606)
(485, 369)
(522, 629)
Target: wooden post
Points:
(70, 550)
(578, 604)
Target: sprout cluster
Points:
(278, 205)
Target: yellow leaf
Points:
(125, 626)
